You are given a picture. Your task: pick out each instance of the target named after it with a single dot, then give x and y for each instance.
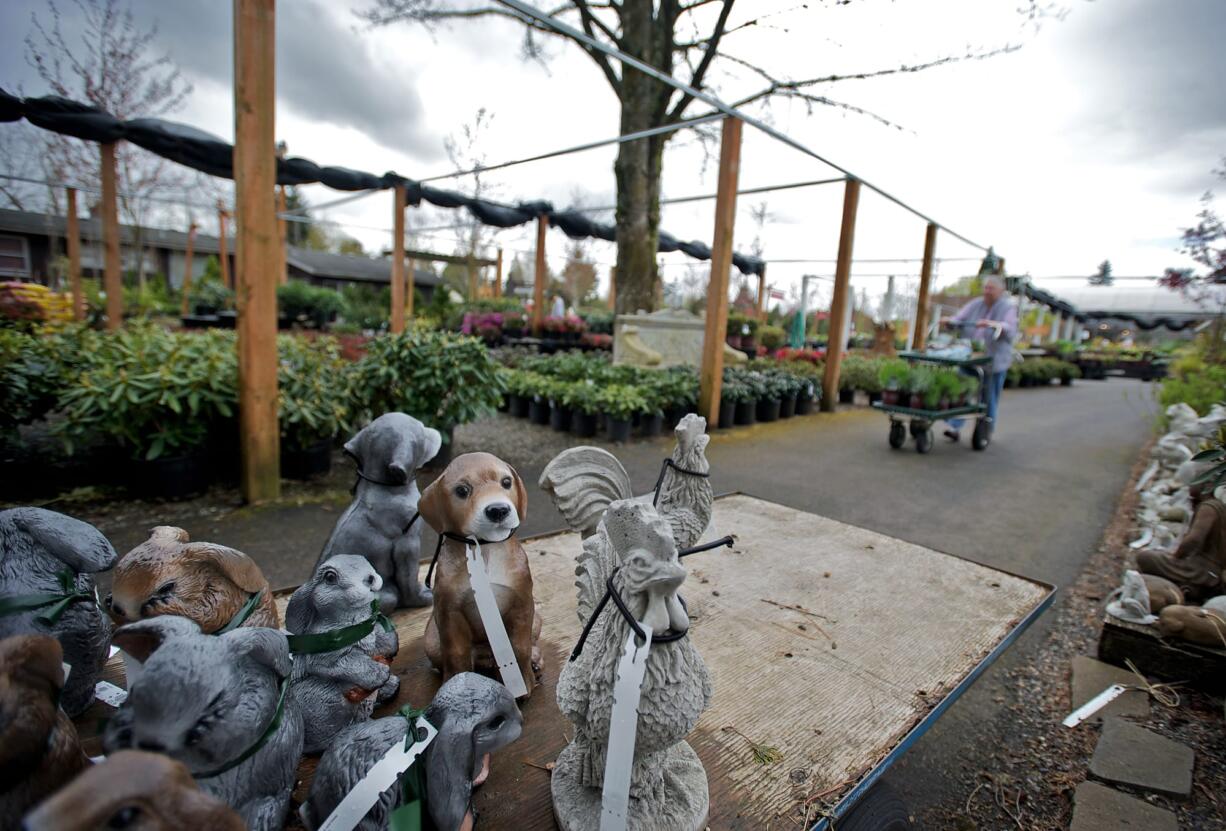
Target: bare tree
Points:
(668, 35)
(466, 151)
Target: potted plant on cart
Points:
(893, 376)
(313, 403)
(920, 382)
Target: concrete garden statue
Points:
(39, 748)
(1197, 563)
(632, 553)
(475, 717)
(217, 587)
(380, 524)
(46, 588)
(342, 646)
(216, 703)
(1204, 625)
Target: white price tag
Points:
(108, 693)
(623, 729)
(491, 619)
(381, 776)
(1094, 705)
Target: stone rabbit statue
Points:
(380, 522)
(168, 574)
(217, 704)
(475, 717)
(46, 560)
(39, 748)
(342, 650)
(133, 789)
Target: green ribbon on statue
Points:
(69, 594)
(241, 616)
(335, 639)
(412, 814)
(264, 737)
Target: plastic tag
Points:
(108, 693)
(623, 729)
(381, 776)
(491, 619)
(1094, 705)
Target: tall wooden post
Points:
(282, 238)
(73, 234)
(186, 288)
(538, 283)
(473, 288)
(498, 275)
(112, 274)
(613, 288)
(255, 166)
(398, 259)
(925, 288)
(762, 294)
(711, 379)
(838, 304)
(223, 254)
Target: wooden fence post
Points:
(538, 282)
(473, 285)
(223, 254)
(398, 304)
(73, 234)
(838, 303)
(255, 167)
(186, 288)
(925, 288)
(498, 276)
(282, 238)
(711, 379)
(112, 275)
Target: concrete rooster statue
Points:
(634, 546)
(584, 481)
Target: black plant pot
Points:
(583, 424)
(804, 404)
(559, 417)
(303, 463)
(787, 406)
(727, 414)
(517, 406)
(874, 397)
(651, 426)
(768, 409)
(1066, 382)
(171, 477)
(847, 396)
(745, 411)
(227, 318)
(617, 429)
(538, 411)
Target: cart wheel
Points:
(898, 434)
(982, 436)
(880, 809)
(923, 441)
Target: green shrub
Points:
(30, 377)
(313, 395)
(210, 294)
(772, 337)
(301, 302)
(894, 374)
(1194, 380)
(368, 307)
(622, 401)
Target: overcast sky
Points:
(1092, 141)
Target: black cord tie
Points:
(698, 549)
(667, 636)
(372, 480)
(664, 468)
(456, 538)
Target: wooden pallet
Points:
(1169, 659)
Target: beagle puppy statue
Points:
(479, 501)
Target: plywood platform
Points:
(890, 629)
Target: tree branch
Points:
(602, 60)
(696, 80)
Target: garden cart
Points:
(918, 421)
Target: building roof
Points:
(328, 266)
(1147, 300)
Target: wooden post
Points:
(282, 238)
(613, 288)
(498, 275)
(762, 294)
(255, 173)
(221, 244)
(838, 304)
(925, 288)
(538, 283)
(186, 288)
(711, 379)
(399, 199)
(112, 275)
(73, 233)
(473, 288)
(410, 289)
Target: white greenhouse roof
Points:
(1148, 299)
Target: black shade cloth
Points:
(210, 154)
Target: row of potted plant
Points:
(1040, 372)
(766, 391)
(925, 387)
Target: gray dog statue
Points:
(379, 524)
(217, 704)
(475, 717)
(341, 647)
(46, 560)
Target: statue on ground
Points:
(1197, 563)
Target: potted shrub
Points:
(769, 388)
(771, 338)
(732, 393)
(734, 332)
(560, 410)
(518, 383)
(1068, 372)
(208, 298)
(313, 402)
(793, 385)
(619, 403)
(921, 382)
(749, 336)
(301, 303)
(808, 397)
(893, 376)
(746, 401)
(585, 406)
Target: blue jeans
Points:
(991, 393)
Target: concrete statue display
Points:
(664, 338)
(342, 646)
(584, 481)
(133, 789)
(475, 717)
(1197, 563)
(475, 506)
(380, 522)
(632, 553)
(39, 748)
(216, 703)
(46, 560)
(217, 587)
(1204, 625)
(1130, 601)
